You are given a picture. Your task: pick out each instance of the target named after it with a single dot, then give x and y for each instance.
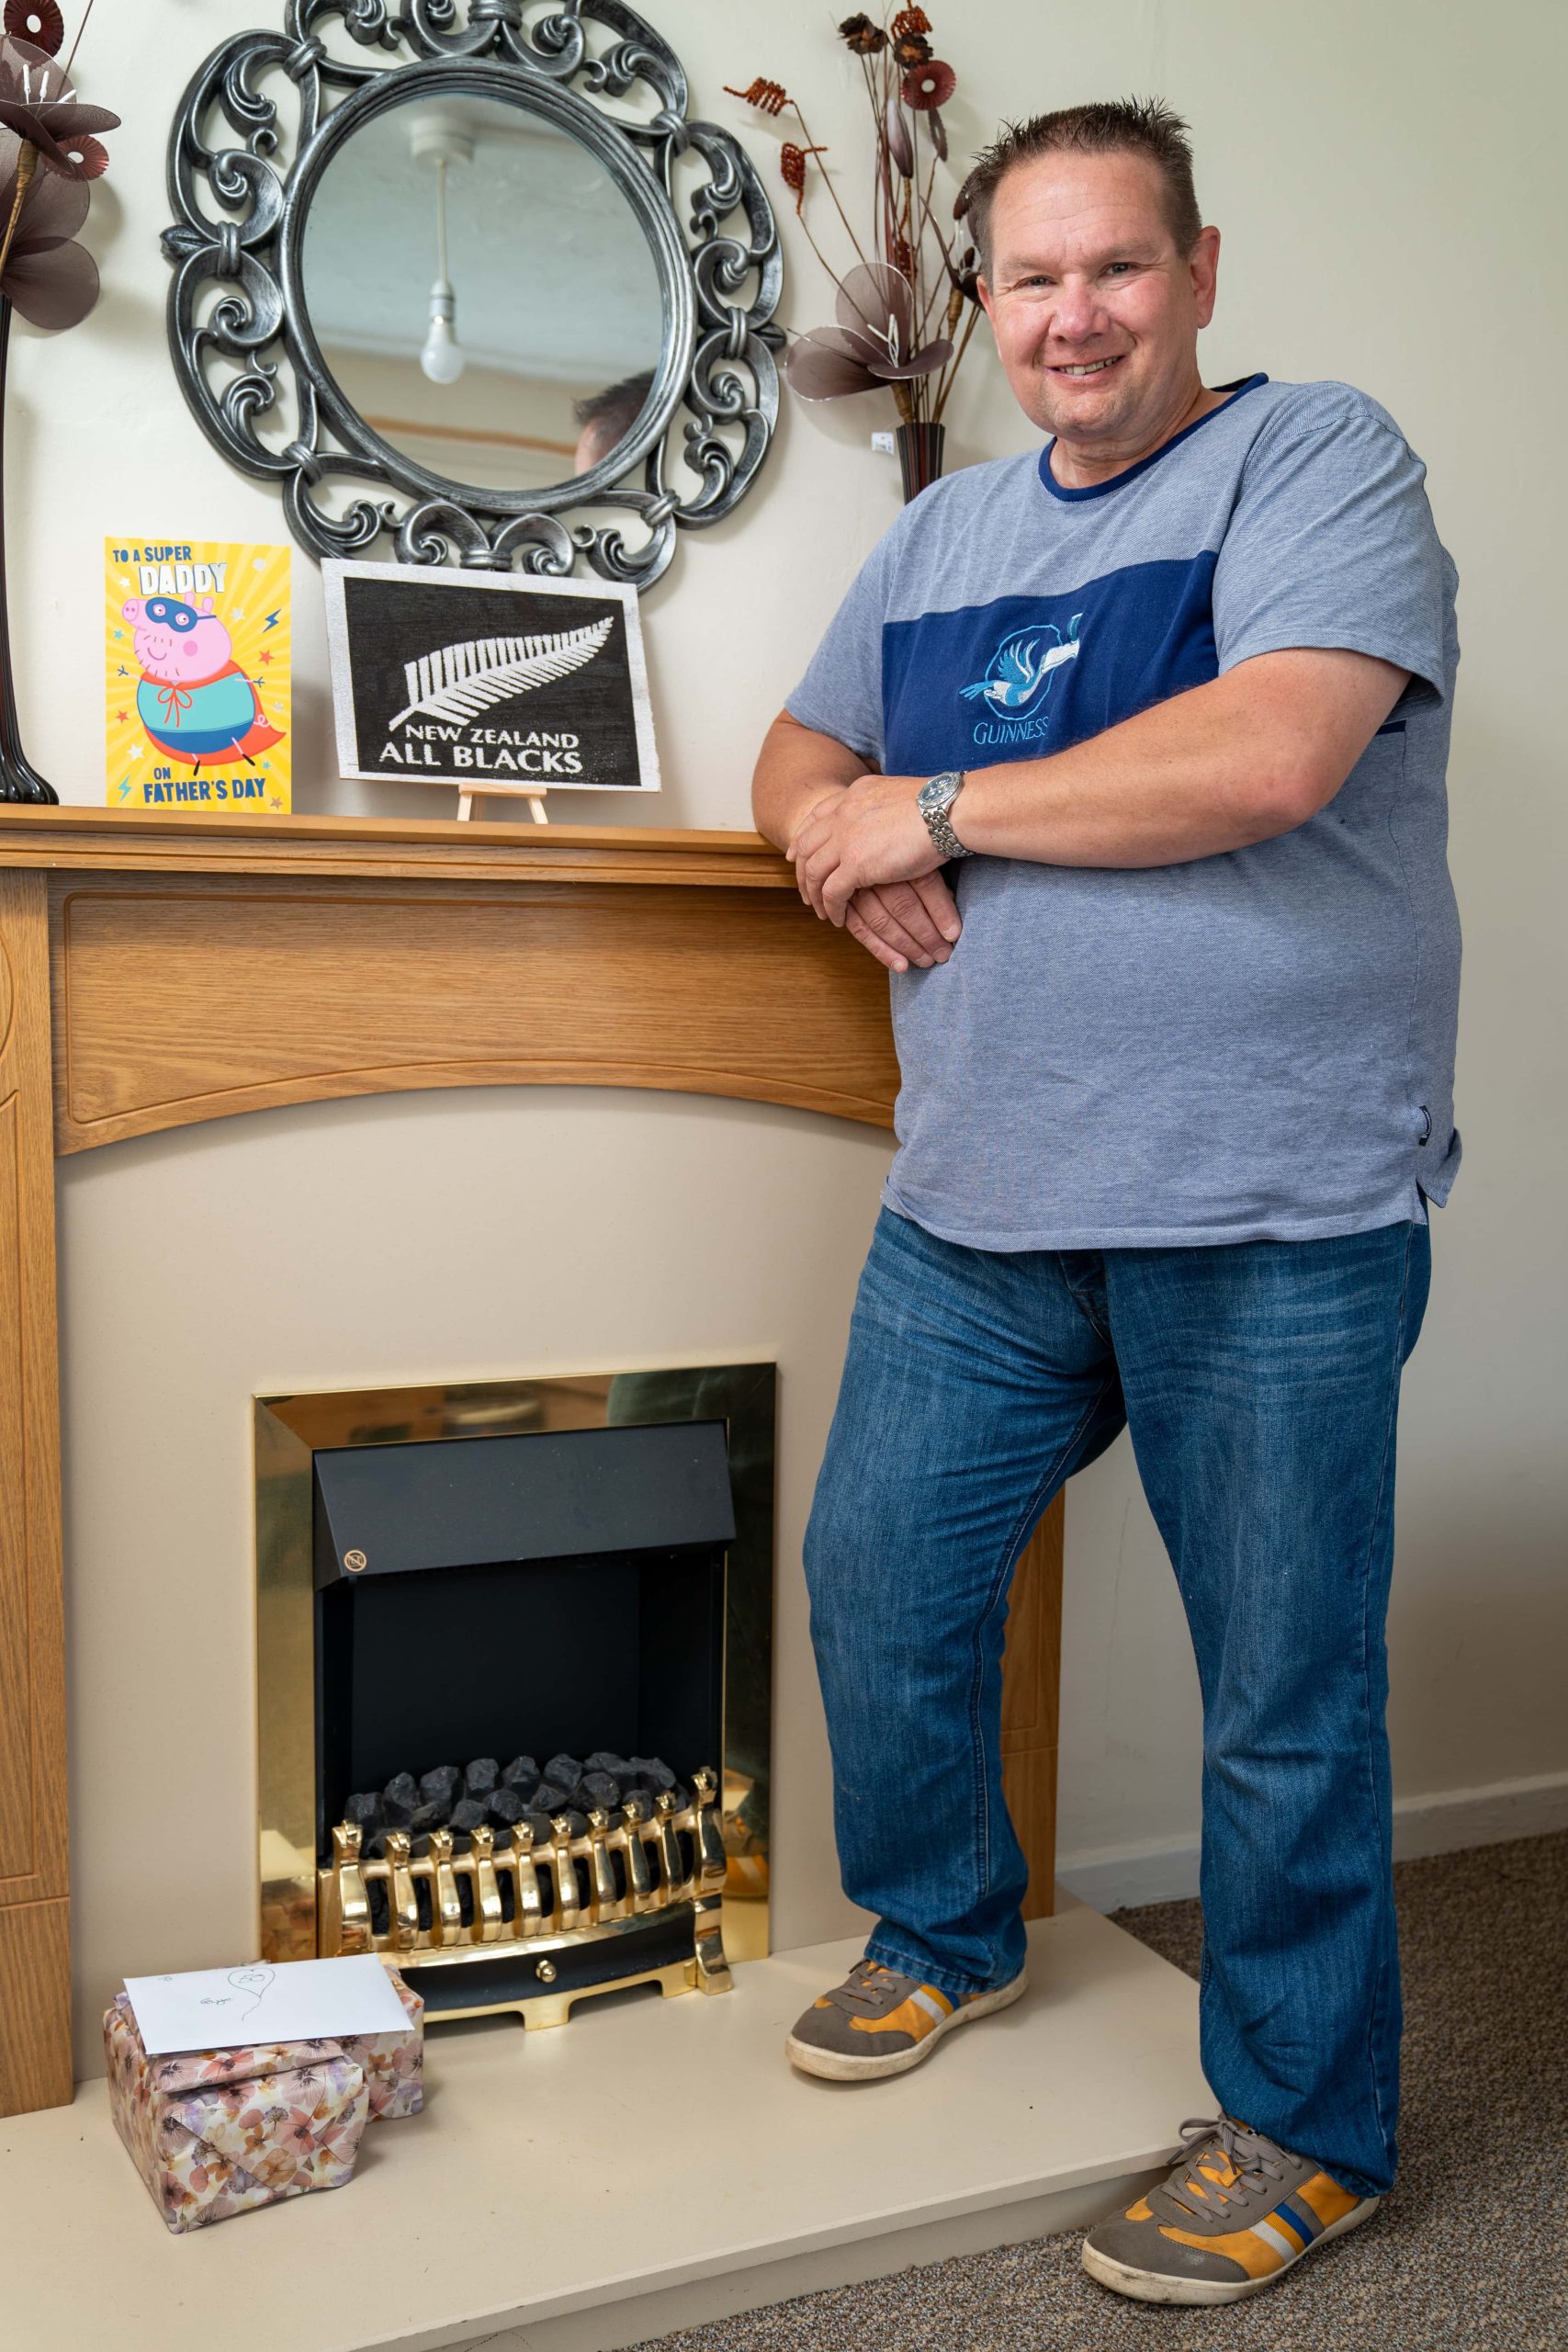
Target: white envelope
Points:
(296, 2000)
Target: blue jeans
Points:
(1261, 1384)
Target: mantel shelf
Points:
(379, 848)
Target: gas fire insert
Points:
(578, 1568)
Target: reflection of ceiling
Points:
(553, 275)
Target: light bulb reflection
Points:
(442, 356)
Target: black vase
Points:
(17, 780)
(919, 457)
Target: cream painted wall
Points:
(1390, 183)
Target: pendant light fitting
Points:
(439, 137)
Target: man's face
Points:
(596, 440)
(1096, 313)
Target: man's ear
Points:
(1204, 264)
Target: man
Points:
(604, 419)
(1177, 1084)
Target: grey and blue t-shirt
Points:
(1255, 1046)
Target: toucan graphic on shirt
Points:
(1023, 664)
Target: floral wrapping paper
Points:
(215, 2132)
(393, 2063)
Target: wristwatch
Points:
(933, 800)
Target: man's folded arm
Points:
(796, 767)
(1245, 757)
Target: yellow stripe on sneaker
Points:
(1324, 2195)
(925, 2010)
(1258, 2257)
(1271, 2244)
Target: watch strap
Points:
(934, 799)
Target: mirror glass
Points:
(519, 355)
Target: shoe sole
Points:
(1158, 2287)
(833, 2067)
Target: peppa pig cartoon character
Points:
(194, 700)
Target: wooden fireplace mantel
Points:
(158, 970)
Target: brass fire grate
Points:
(529, 1895)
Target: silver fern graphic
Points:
(459, 681)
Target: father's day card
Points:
(197, 678)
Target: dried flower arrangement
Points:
(48, 157)
(891, 334)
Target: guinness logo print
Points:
(446, 676)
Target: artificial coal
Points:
(465, 1797)
(443, 1785)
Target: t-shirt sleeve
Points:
(841, 694)
(1333, 544)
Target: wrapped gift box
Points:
(215, 2132)
(393, 2063)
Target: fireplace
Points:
(572, 1574)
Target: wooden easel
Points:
(534, 794)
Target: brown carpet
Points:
(1469, 2254)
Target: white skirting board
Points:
(648, 2166)
(1114, 1878)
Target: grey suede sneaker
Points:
(877, 2022)
(1234, 2215)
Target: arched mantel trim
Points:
(204, 969)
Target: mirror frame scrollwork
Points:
(719, 279)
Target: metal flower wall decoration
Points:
(50, 154)
(913, 278)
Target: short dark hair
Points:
(618, 404)
(1114, 127)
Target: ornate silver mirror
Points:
(473, 254)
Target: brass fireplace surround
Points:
(332, 957)
(288, 1432)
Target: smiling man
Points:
(1169, 701)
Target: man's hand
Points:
(801, 778)
(861, 839)
(905, 923)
